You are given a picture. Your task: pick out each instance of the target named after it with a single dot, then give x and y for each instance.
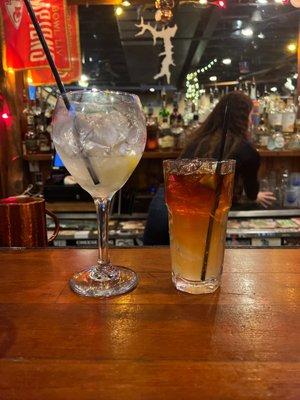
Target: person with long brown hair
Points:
(205, 143)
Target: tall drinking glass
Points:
(100, 140)
(198, 197)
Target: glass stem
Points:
(102, 208)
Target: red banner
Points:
(44, 76)
(22, 49)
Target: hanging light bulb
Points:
(247, 32)
(119, 11)
(292, 47)
(226, 61)
(164, 11)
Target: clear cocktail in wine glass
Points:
(100, 140)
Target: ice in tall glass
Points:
(198, 197)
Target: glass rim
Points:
(196, 165)
(92, 90)
(199, 159)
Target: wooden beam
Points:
(298, 68)
(197, 49)
(95, 2)
(107, 2)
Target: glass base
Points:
(110, 281)
(196, 287)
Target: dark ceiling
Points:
(113, 56)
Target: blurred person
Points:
(205, 143)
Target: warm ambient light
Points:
(291, 47)
(4, 116)
(10, 70)
(119, 11)
(203, 2)
(221, 4)
(84, 81)
(126, 3)
(29, 80)
(226, 61)
(248, 32)
(213, 78)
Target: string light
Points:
(226, 61)
(192, 87)
(208, 66)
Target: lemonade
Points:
(112, 172)
(100, 137)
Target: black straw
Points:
(217, 193)
(58, 82)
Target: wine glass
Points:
(100, 140)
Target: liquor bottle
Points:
(44, 140)
(31, 140)
(166, 138)
(152, 131)
(174, 116)
(278, 138)
(177, 129)
(30, 137)
(188, 114)
(289, 117)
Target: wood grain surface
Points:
(241, 342)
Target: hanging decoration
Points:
(205, 3)
(166, 34)
(44, 76)
(164, 11)
(22, 49)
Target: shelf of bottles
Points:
(37, 115)
(274, 128)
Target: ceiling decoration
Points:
(115, 57)
(166, 34)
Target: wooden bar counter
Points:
(242, 342)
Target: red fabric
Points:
(44, 76)
(22, 47)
